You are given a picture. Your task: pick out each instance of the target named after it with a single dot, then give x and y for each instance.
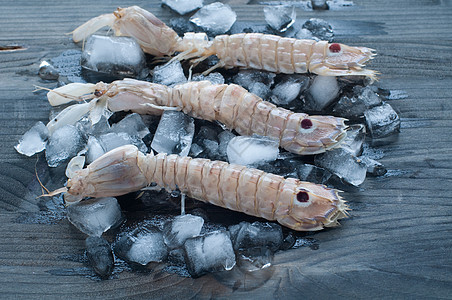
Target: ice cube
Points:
(183, 7)
(311, 173)
(34, 140)
(47, 71)
(354, 106)
(88, 129)
(142, 246)
(305, 34)
(249, 150)
(174, 133)
(216, 18)
(63, 144)
(320, 29)
(169, 74)
(258, 234)
(100, 256)
(374, 167)
(114, 140)
(319, 4)
(209, 253)
(288, 90)
(133, 125)
(94, 149)
(382, 121)
(178, 230)
(224, 138)
(321, 93)
(215, 78)
(355, 139)
(95, 216)
(254, 259)
(280, 17)
(114, 55)
(343, 164)
(255, 82)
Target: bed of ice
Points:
(205, 239)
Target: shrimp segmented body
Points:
(231, 105)
(298, 205)
(246, 50)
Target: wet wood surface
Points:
(397, 242)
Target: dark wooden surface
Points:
(397, 244)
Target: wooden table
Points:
(397, 242)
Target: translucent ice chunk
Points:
(311, 173)
(257, 234)
(169, 74)
(215, 78)
(382, 121)
(64, 143)
(354, 106)
(95, 216)
(88, 129)
(280, 17)
(288, 90)
(174, 133)
(254, 259)
(183, 7)
(34, 140)
(355, 139)
(100, 256)
(142, 246)
(47, 71)
(374, 167)
(319, 4)
(178, 230)
(343, 164)
(133, 125)
(216, 18)
(94, 149)
(224, 138)
(320, 29)
(323, 90)
(209, 253)
(114, 55)
(255, 82)
(114, 140)
(248, 150)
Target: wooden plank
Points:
(397, 242)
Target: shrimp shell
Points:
(246, 50)
(230, 105)
(298, 205)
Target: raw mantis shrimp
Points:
(298, 205)
(245, 50)
(230, 105)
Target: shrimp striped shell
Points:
(298, 205)
(231, 105)
(245, 50)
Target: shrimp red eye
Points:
(302, 197)
(306, 123)
(335, 48)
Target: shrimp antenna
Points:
(43, 188)
(75, 98)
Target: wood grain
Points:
(398, 242)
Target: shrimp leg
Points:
(298, 205)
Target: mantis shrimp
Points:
(230, 105)
(298, 205)
(245, 50)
